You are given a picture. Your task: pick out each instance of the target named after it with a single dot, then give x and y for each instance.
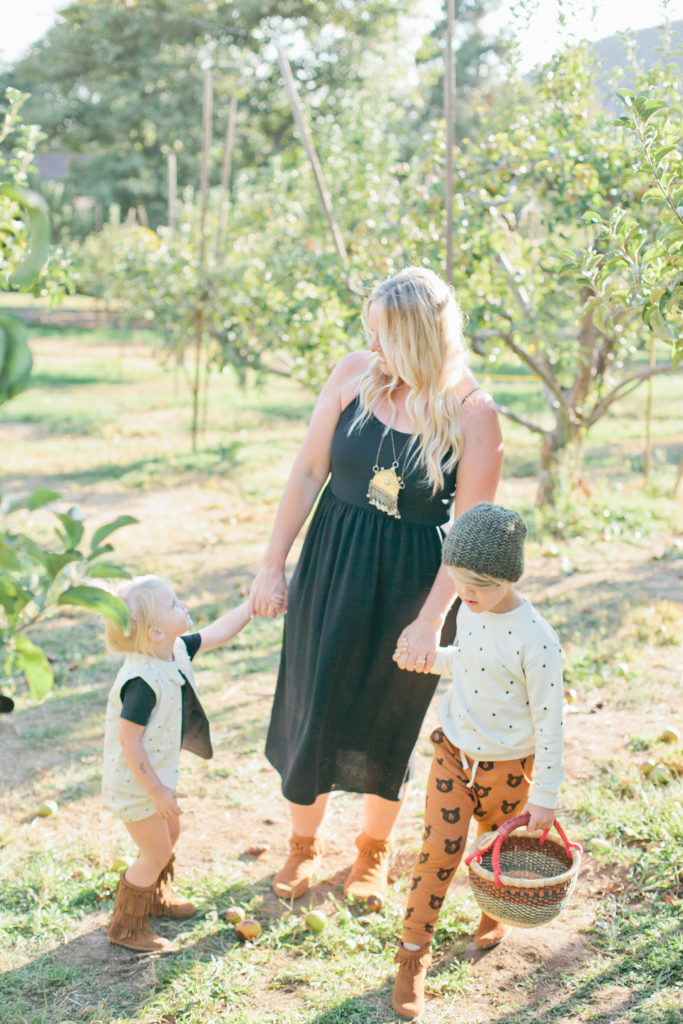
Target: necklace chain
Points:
(396, 459)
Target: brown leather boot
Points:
(367, 879)
(305, 857)
(408, 998)
(164, 903)
(128, 926)
(490, 932)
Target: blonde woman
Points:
(392, 430)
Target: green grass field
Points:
(107, 425)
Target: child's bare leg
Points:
(152, 836)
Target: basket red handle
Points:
(504, 831)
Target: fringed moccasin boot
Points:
(367, 879)
(408, 998)
(165, 903)
(296, 875)
(129, 924)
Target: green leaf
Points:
(37, 499)
(99, 601)
(108, 571)
(73, 528)
(54, 563)
(33, 661)
(104, 531)
(651, 107)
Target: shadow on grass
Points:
(139, 472)
(624, 984)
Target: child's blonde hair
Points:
(139, 594)
(420, 327)
(481, 580)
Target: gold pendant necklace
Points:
(385, 485)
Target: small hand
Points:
(541, 817)
(416, 647)
(166, 803)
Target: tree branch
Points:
(617, 392)
(504, 411)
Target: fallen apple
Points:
(660, 775)
(374, 903)
(120, 863)
(248, 930)
(48, 808)
(315, 921)
(234, 915)
(670, 735)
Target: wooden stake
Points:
(172, 189)
(312, 156)
(201, 262)
(225, 174)
(647, 454)
(449, 114)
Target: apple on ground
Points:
(234, 915)
(315, 921)
(248, 930)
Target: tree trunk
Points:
(556, 466)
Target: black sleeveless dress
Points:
(344, 715)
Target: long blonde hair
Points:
(420, 328)
(140, 595)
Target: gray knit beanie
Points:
(487, 539)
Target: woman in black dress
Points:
(392, 429)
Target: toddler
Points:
(153, 710)
(498, 750)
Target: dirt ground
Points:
(194, 530)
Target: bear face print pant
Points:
(499, 791)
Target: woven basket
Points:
(523, 878)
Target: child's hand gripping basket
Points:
(523, 878)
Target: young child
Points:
(498, 751)
(153, 710)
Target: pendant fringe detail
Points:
(383, 491)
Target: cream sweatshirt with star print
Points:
(506, 696)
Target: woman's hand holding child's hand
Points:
(166, 802)
(541, 817)
(416, 647)
(268, 593)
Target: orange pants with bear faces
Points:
(499, 791)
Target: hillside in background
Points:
(613, 52)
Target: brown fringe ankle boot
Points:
(367, 879)
(294, 878)
(408, 998)
(128, 926)
(490, 932)
(164, 903)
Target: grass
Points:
(108, 426)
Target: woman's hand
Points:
(268, 593)
(540, 817)
(417, 644)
